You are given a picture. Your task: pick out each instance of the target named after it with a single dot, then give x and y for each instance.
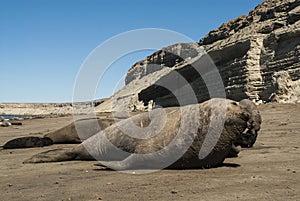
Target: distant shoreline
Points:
(44, 109)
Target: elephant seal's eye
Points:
(234, 103)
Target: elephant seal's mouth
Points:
(247, 138)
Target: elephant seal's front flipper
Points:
(27, 142)
(234, 151)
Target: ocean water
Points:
(11, 116)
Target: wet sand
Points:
(268, 171)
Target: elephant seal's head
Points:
(248, 137)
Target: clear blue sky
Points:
(43, 43)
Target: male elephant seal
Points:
(115, 148)
(65, 135)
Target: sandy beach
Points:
(268, 171)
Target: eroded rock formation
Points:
(248, 52)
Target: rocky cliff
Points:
(270, 38)
(248, 52)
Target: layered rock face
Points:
(167, 57)
(270, 35)
(247, 52)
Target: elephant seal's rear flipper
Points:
(28, 142)
(52, 156)
(57, 155)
